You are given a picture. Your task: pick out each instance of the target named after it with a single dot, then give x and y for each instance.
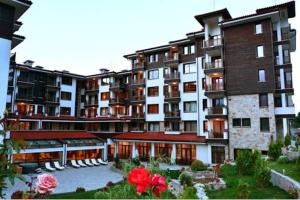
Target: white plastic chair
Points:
(48, 167)
(74, 164)
(81, 163)
(88, 162)
(58, 166)
(102, 162)
(94, 162)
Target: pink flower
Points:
(158, 184)
(46, 183)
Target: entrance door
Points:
(218, 154)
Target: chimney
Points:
(28, 63)
(103, 70)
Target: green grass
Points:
(74, 195)
(231, 177)
(290, 168)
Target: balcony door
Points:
(217, 83)
(218, 128)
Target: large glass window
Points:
(153, 109)
(153, 126)
(65, 111)
(260, 51)
(261, 75)
(104, 111)
(104, 96)
(190, 106)
(190, 86)
(66, 96)
(153, 74)
(190, 126)
(289, 100)
(66, 80)
(236, 122)
(217, 154)
(263, 100)
(189, 68)
(152, 91)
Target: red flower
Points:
(140, 177)
(158, 184)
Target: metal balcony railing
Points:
(174, 94)
(214, 65)
(212, 42)
(218, 110)
(172, 57)
(174, 75)
(174, 114)
(214, 88)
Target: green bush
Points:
(136, 161)
(185, 179)
(127, 167)
(274, 150)
(243, 190)
(287, 140)
(198, 165)
(117, 162)
(262, 173)
(189, 193)
(283, 159)
(245, 161)
(298, 162)
(80, 189)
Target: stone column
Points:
(104, 156)
(133, 150)
(173, 154)
(152, 150)
(116, 149)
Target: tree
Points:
(296, 121)
(7, 147)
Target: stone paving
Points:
(90, 178)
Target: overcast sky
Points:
(83, 36)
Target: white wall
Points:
(102, 104)
(5, 46)
(155, 100)
(72, 89)
(202, 153)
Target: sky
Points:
(84, 36)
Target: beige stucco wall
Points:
(247, 106)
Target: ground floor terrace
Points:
(180, 149)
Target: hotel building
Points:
(223, 88)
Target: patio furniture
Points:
(28, 168)
(48, 167)
(102, 162)
(93, 160)
(81, 163)
(88, 162)
(74, 164)
(58, 166)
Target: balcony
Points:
(217, 136)
(25, 80)
(175, 115)
(138, 66)
(214, 67)
(215, 91)
(53, 85)
(115, 101)
(138, 116)
(172, 96)
(172, 60)
(138, 82)
(24, 98)
(285, 36)
(137, 99)
(216, 112)
(92, 89)
(286, 61)
(211, 43)
(171, 77)
(91, 104)
(52, 100)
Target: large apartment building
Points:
(218, 90)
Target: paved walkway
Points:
(90, 178)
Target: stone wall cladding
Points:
(247, 106)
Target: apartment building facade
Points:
(224, 88)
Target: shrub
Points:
(274, 150)
(298, 162)
(287, 140)
(185, 179)
(243, 190)
(127, 167)
(262, 173)
(198, 165)
(283, 159)
(293, 193)
(136, 161)
(245, 161)
(17, 195)
(80, 189)
(117, 163)
(189, 193)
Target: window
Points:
(205, 126)
(263, 100)
(190, 86)
(217, 154)
(204, 103)
(189, 68)
(246, 122)
(186, 50)
(104, 126)
(105, 81)
(236, 122)
(65, 111)
(264, 125)
(190, 107)
(277, 100)
(153, 109)
(104, 111)
(153, 74)
(66, 80)
(104, 96)
(260, 51)
(258, 28)
(152, 91)
(153, 126)
(82, 99)
(203, 83)
(190, 49)
(153, 58)
(66, 96)
(289, 100)
(261, 75)
(190, 126)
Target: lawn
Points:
(290, 168)
(231, 177)
(74, 195)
